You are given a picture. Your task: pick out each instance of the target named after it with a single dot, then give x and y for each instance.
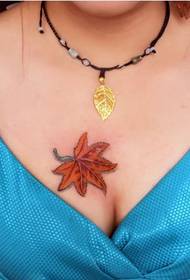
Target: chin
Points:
(106, 8)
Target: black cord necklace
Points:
(104, 99)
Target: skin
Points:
(46, 97)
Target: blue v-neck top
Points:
(43, 237)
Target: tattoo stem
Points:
(61, 158)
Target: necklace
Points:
(103, 98)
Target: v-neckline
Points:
(46, 189)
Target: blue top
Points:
(44, 237)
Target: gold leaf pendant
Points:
(104, 99)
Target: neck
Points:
(128, 33)
(111, 40)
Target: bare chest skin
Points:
(52, 106)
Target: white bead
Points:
(86, 62)
(73, 53)
(149, 50)
(62, 41)
(40, 29)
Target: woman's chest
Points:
(37, 226)
(147, 133)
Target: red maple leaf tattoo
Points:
(84, 167)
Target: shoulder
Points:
(11, 40)
(183, 40)
(10, 53)
(10, 24)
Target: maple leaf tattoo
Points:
(85, 166)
